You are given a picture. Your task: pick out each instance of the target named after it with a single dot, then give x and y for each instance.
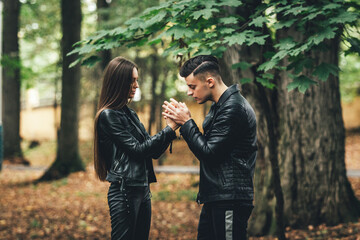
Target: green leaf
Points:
(238, 38)
(297, 10)
(265, 82)
(268, 76)
(327, 33)
(157, 8)
(283, 8)
(225, 31)
(219, 51)
(157, 39)
(286, 44)
(258, 40)
(299, 64)
(269, 54)
(259, 21)
(91, 61)
(194, 45)
(241, 65)
(302, 83)
(331, 6)
(181, 51)
(324, 70)
(203, 52)
(296, 51)
(280, 54)
(179, 31)
(74, 63)
(117, 31)
(229, 20)
(268, 65)
(245, 80)
(213, 43)
(344, 17)
(83, 50)
(156, 19)
(282, 24)
(205, 13)
(313, 15)
(134, 23)
(230, 3)
(354, 45)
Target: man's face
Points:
(198, 89)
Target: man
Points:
(226, 151)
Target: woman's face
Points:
(134, 84)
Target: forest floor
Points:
(76, 207)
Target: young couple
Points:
(226, 150)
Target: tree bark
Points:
(310, 144)
(11, 83)
(154, 72)
(68, 159)
(312, 149)
(102, 16)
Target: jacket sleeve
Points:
(157, 152)
(114, 125)
(218, 140)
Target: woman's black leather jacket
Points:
(129, 149)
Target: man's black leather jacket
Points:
(129, 149)
(227, 149)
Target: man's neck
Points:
(218, 91)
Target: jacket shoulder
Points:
(110, 115)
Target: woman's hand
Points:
(171, 123)
(177, 111)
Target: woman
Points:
(123, 152)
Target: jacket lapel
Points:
(135, 122)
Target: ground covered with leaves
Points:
(76, 207)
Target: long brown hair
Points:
(116, 86)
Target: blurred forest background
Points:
(311, 136)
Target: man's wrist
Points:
(186, 121)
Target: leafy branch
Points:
(205, 27)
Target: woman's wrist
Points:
(173, 126)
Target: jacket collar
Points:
(231, 90)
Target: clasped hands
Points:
(175, 113)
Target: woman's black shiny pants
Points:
(130, 212)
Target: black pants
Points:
(224, 220)
(130, 212)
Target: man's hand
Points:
(177, 111)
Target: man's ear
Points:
(210, 82)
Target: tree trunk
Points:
(154, 71)
(68, 159)
(11, 83)
(310, 145)
(312, 150)
(102, 17)
(161, 97)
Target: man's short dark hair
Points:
(200, 64)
